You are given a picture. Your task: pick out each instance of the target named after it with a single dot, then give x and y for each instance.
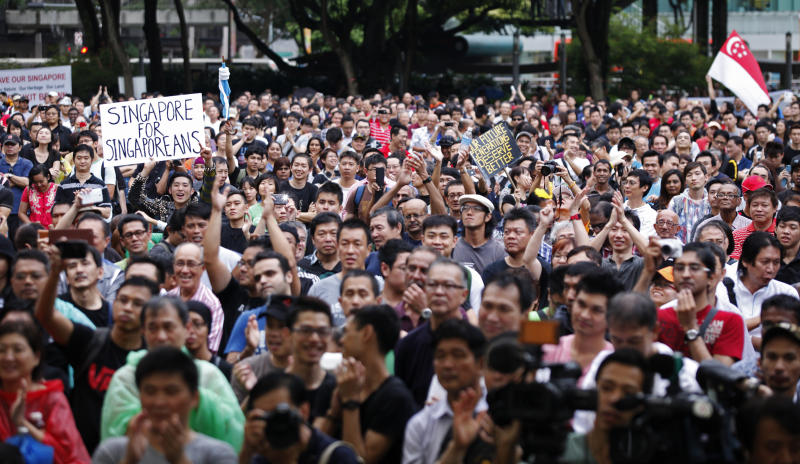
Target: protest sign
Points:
(35, 83)
(494, 150)
(161, 128)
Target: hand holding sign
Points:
(161, 128)
(494, 150)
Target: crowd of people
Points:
(337, 280)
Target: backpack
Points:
(325, 457)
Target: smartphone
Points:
(449, 124)
(379, 179)
(73, 249)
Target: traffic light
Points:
(84, 50)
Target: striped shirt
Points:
(206, 296)
(378, 133)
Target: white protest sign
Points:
(35, 83)
(161, 128)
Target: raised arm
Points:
(530, 257)
(55, 323)
(218, 273)
(279, 242)
(652, 258)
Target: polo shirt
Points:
(313, 265)
(749, 304)
(740, 235)
(70, 185)
(21, 168)
(628, 272)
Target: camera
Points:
(671, 248)
(545, 405)
(283, 426)
(280, 199)
(548, 168)
(683, 426)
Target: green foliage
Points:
(641, 60)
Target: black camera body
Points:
(548, 168)
(283, 426)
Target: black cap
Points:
(278, 307)
(447, 141)
(11, 138)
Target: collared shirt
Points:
(206, 296)
(749, 304)
(740, 235)
(628, 272)
(739, 222)
(406, 323)
(427, 430)
(313, 265)
(21, 168)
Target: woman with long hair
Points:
(32, 406)
(265, 185)
(273, 153)
(672, 184)
(314, 150)
(41, 151)
(282, 169)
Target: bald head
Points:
(667, 224)
(414, 212)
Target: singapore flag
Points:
(737, 69)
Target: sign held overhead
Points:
(159, 128)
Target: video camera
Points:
(685, 427)
(283, 426)
(545, 403)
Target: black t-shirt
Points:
(320, 398)
(99, 317)
(386, 411)
(6, 197)
(305, 196)
(90, 388)
(788, 154)
(242, 155)
(232, 238)
(27, 152)
(413, 361)
(234, 300)
(224, 366)
(544, 279)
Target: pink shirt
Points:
(207, 297)
(561, 353)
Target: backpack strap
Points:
(325, 457)
(359, 194)
(729, 284)
(707, 321)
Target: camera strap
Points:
(707, 321)
(327, 453)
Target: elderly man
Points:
(414, 212)
(189, 268)
(667, 225)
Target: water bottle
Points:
(466, 138)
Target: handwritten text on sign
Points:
(161, 128)
(495, 149)
(35, 83)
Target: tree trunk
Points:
(719, 24)
(112, 26)
(92, 37)
(187, 65)
(344, 57)
(411, 26)
(593, 35)
(152, 36)
(650, 15)
(701, 26)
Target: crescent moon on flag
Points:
(731, 44)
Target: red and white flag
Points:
(737, 69)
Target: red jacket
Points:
(59, 430)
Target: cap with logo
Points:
(11, 138)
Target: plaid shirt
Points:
(206, 296)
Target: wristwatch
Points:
(691, 335)
(351, 405)
(427, 180)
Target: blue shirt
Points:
(237, 341)
(21, 168)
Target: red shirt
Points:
(378, 133)
(724, 335)
(739, 236)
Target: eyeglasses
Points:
(447, 286)
(476, 208)
(726, 195)
(134, 233)
(187, 264)
(596, 227)
(307, 331)
(694, 268)
(664, 223)
(246, 262)
(409, 217)
(383, 111)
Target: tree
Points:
(152, 36)
(187, 65)
(111, 10)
